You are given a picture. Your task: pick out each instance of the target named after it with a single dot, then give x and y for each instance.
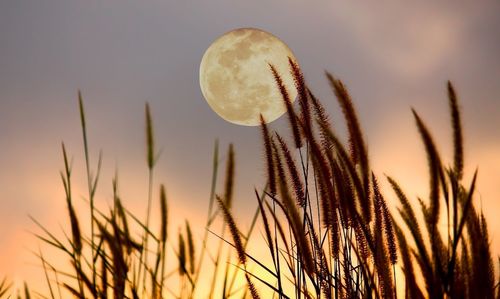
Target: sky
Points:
(123, 53)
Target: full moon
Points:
(236, 80)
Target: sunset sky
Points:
(122, 53)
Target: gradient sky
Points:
(122, 53)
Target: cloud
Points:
(406, 38)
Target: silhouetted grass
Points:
(326, 224)
(113, 261)
(343, 241)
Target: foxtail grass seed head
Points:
(164, 214)
(271, 176)
(293, 170)
(292, 117)
(182, 255)
(252, 288)
(191, 248)
(300, 85)
(434, 169)
(150, 142)
(82, 110)
(457, 131)
(229, 184)
(233, 229)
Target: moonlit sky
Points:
(122, 53)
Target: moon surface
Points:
(236, 80)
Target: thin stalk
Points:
(247, 239)
(89, 182)
(151, 161)
(395, 282)
(278, 269)
(146, 234)
(215, 166)
(217, 260)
